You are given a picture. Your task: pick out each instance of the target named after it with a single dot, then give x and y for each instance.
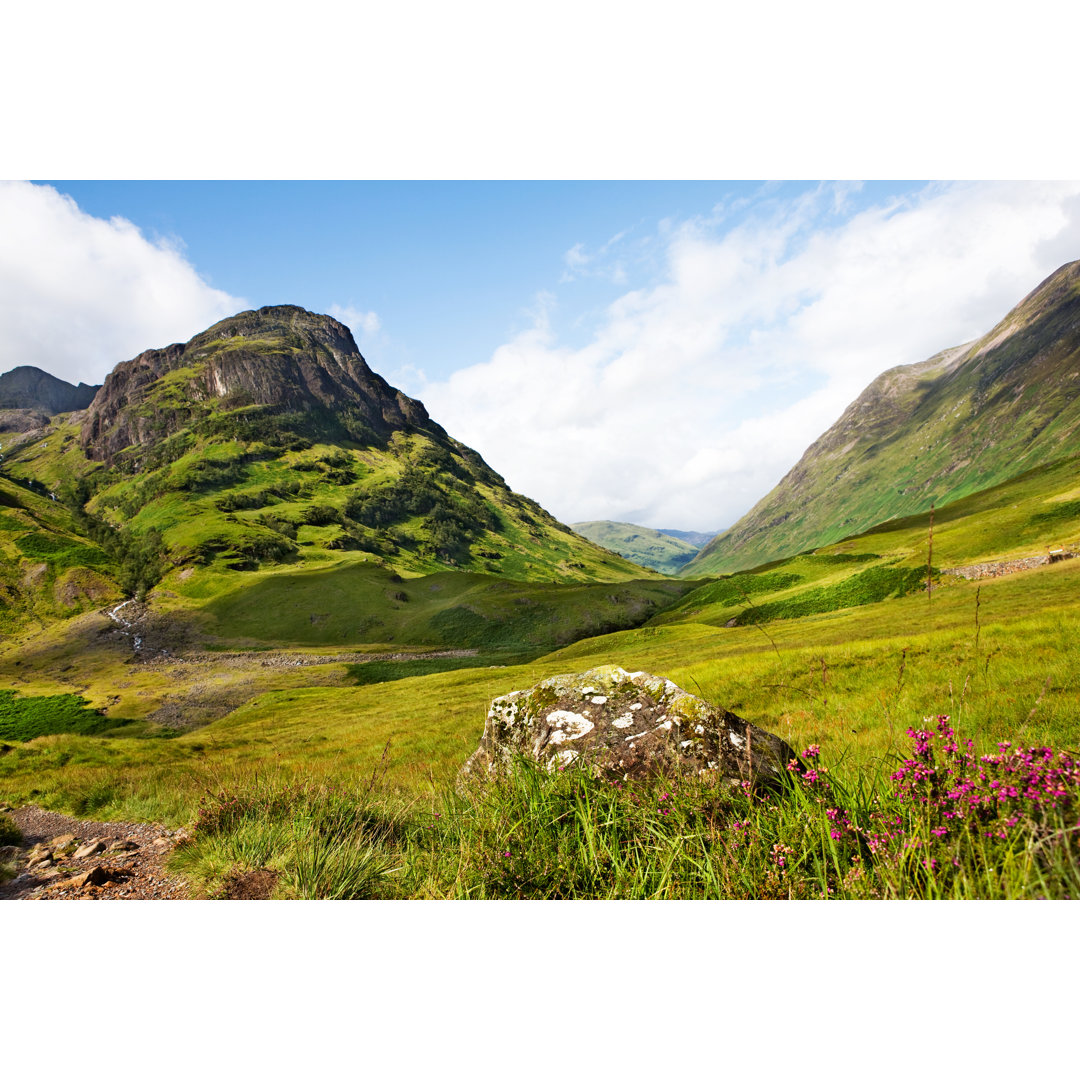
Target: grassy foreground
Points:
(945, 824)
(294, 779)
(297, 780)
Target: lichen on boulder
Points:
(625, 725)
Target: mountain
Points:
(654, 548)
(267, 441)
(271, 362)
(32, 388)
(29, 396)
(694, 539)
(966, 419)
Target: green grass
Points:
(999, 656)
(357, 602)
(533, 835)
(26, 718)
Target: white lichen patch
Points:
(622, 721)
(589, 689)
(568, 725)
(599, 700)
(699, 730)
(564, 758)
(736, 740)
(665, 726)
(636, 706)
(685, 743)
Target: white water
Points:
(127, 628)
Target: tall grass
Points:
(942, 823)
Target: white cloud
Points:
(78, 294)
(580, 263)
(363, 324)
(698, 393)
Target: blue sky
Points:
(451, 269)
(656, 352)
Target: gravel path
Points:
(134, 868)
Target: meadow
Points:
(339, 777)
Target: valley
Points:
(253, 591)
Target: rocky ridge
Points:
(281, 358)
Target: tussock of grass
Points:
(324, 841)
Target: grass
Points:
(352, 602)
(531, 835)
(25, 718)
(998, 656)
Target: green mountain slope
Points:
(926, 434)
(1015, 523)
(267, 440)
(47, 569)
(647, 547)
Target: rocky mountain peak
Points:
(27, 387)
(280, 358)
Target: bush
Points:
(10, 833)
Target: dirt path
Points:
(53, 861)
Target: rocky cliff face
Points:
(926, 434)
(37, 390)
(283, 358)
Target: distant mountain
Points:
(29, 396)
(655, 548)
(694, 539)
(267, 439)
(929, 433)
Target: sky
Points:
(654, 352)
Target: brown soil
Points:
(253, 885)
(138, 874)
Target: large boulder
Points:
(625, 725)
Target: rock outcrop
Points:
(280, 357)
(625, 725)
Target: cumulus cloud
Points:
(78, 294)
(697, 393)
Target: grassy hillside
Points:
(928, 434)
(265, 443)
(1027, 516)
(47, 570)
(997, 654)
(647, 547)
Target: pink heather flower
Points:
(506, 854)
(813, 750)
